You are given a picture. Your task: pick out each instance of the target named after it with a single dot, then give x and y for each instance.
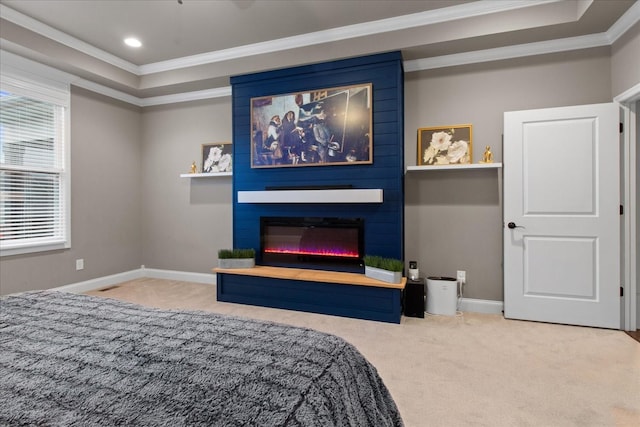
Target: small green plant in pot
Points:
(236, 258)
(385, 269)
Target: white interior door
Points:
(561, 215)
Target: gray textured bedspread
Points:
(68, 359)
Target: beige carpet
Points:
(470, 370)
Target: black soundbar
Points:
(308, 187)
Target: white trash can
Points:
(442, 295)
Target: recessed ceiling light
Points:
(133, 42)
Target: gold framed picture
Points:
(445, 145)
(217, 157)
(320, 127)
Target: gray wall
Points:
(625, 61)
(453, 219)
(184, 221)
(105, 200)
(130, 207)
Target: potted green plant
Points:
(385, 269)
(236, 258)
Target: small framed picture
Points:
(217, 157)
(445, 145)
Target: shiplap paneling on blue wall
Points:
(384, 222)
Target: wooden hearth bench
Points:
(316, 291)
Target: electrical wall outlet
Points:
(462, 276)
(80, 264)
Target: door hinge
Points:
(621, 210)
(621, 291)
(621, 127)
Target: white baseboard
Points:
(481, 306)
(466, 304)
(101, 282)
(106, 281)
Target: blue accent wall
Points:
(384, 222)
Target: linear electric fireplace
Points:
(322, 243)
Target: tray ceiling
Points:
(196, 45)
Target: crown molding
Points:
(487, 55)
(107, 91)
(626, 21)
(430, 17)
(621, 26)
(508, 52)
(631, 17)
(65, 39)
(27, 67)
(219, 92)
(12, 63)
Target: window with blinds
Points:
(33, 175)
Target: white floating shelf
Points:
(312, 196)
(205, 175)
(451, 167)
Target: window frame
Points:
(55, 92)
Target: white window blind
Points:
(33, 169)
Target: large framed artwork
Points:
(445, 145)
(313, 128)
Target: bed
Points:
(70, 359)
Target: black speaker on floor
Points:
(413, 298)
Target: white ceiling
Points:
(170, 30)
(198, 44)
